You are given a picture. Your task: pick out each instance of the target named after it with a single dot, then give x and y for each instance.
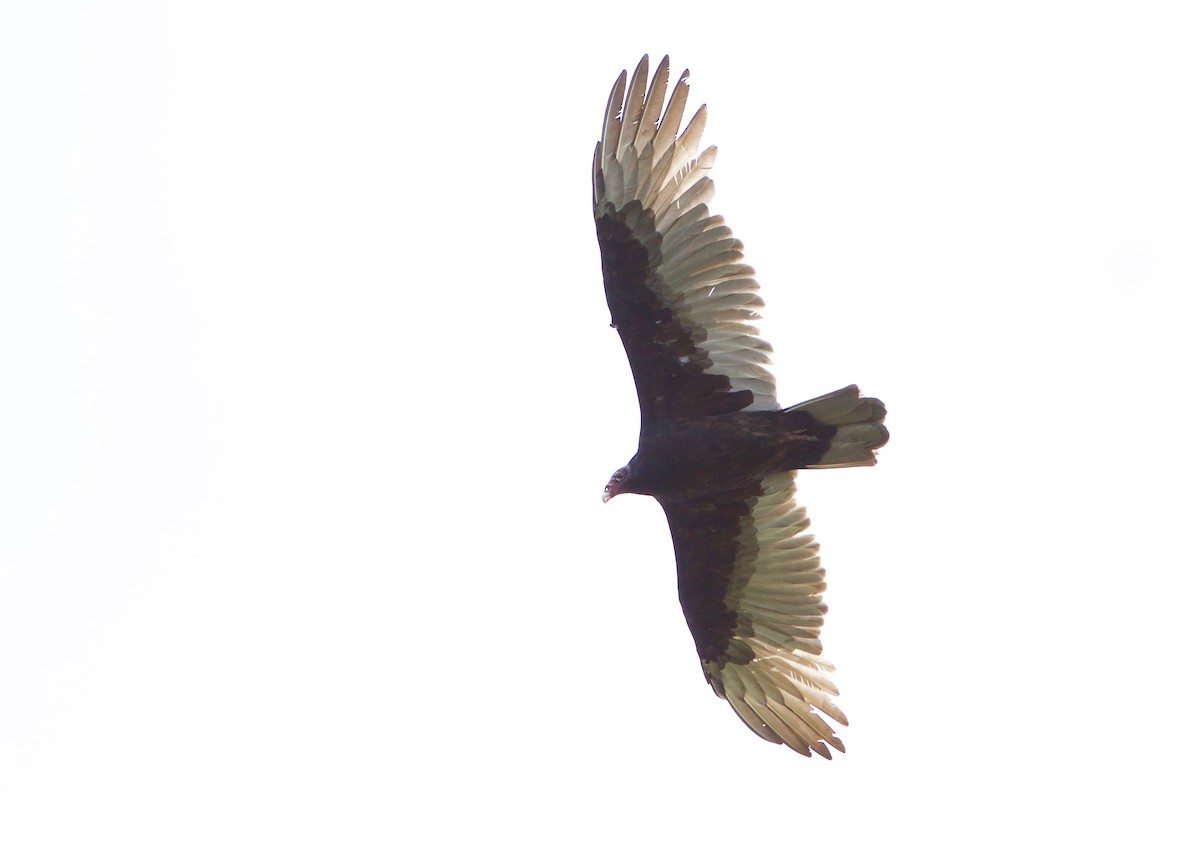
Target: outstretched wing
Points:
(680, 296)
(750, 583)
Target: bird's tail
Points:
(859, 422)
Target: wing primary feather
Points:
(668, 126)
(654, 104)
(635, 100)
(612, 124)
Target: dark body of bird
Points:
(715, 449)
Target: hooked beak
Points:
(615, 485)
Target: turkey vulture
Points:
(715, 448)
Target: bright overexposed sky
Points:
(307, 397)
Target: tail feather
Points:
(859, 422)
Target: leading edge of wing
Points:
(681, 297)
(750, 583)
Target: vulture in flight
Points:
(715, 448)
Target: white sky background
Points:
(309, 395)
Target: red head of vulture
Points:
(715, 449)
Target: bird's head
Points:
(618, 483)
